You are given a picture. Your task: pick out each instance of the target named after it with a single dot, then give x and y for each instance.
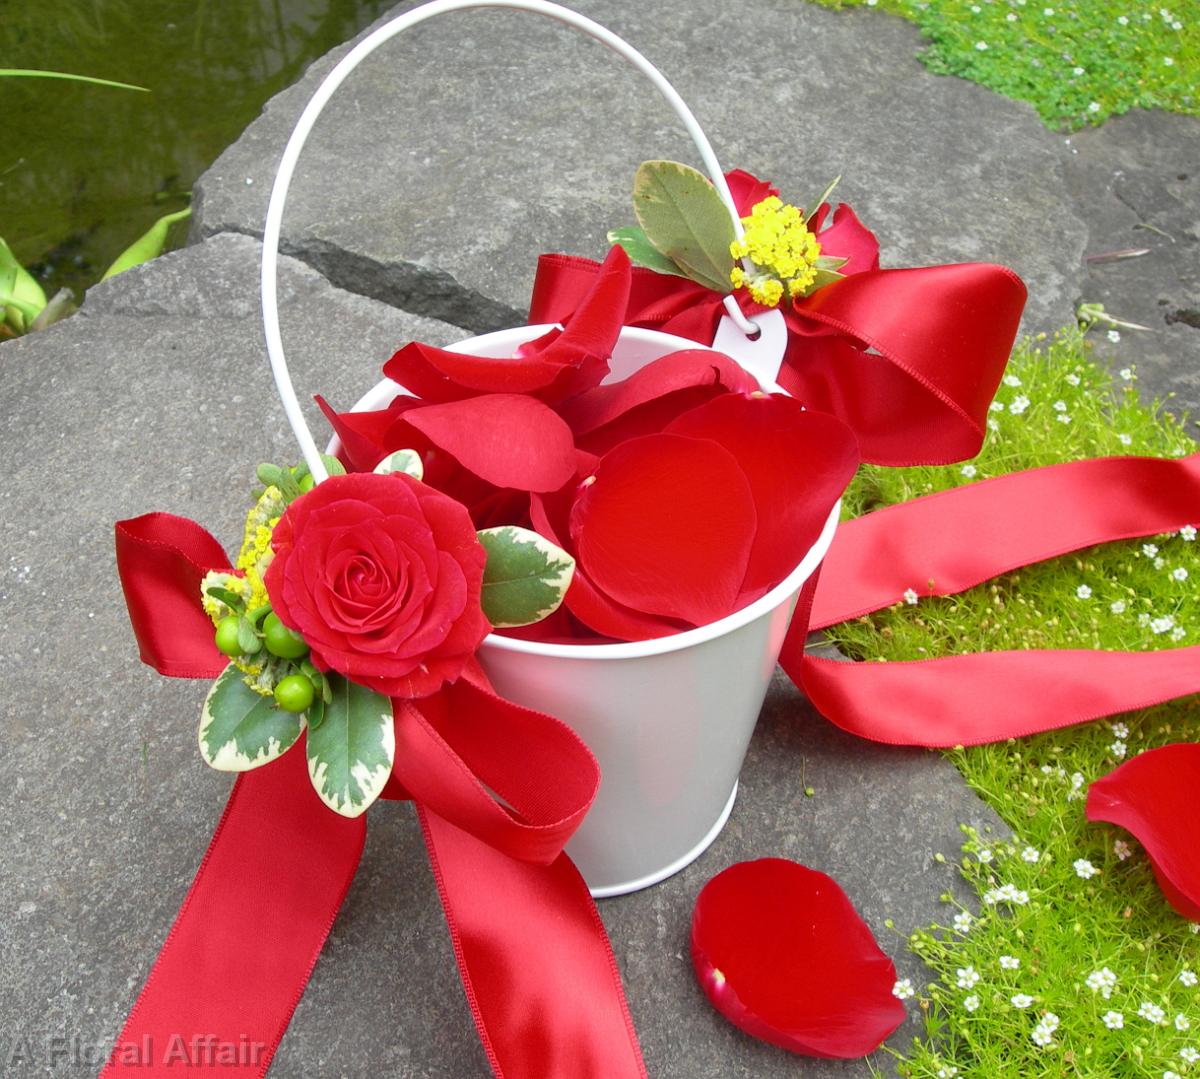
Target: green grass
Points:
(1069, 927)
(1076, 61)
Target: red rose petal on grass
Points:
(665, 525)
(1156, 797)
(506, 439)
(557, 365)
(798, 464)
(781, 952)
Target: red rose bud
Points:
(781, 952)
(381, 575)
(1153, 796)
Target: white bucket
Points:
(668, 719)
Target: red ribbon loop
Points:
(940, 335)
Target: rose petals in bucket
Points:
(1154, 796)
(781, 952)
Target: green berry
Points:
(227, 637)
(280, 640)
(294, 693)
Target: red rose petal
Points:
(506, 439)
(364, 434)
(608, 618)
(747, 190)
(781, 952)
(677, 371)
(1154, 796)
(666, 526)
(555, 366)
(798, 464)
(849, 238)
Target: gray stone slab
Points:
(1137, 180)
(463, 149)
(157, 396)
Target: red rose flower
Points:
(381, 576)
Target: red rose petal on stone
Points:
(1154, 796)
(677, 371)
(665, 525)
(506, 439)
(798, 464)
(781, 952)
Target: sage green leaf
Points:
(685, 219)
(241, 729)
(811, 208)
(248, 639)
(823, 278)
(406, 461)
(333, 466)
(315, 714)
(526, 576)
(830, 262)
(642, 252)
(147, 246)
(231, 599)
(350, 754)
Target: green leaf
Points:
(406, 461)
(231, 599)
(823, 278)
(248, 638)
(241, 729)
(525, 578)
(333, 466)
(685, 219)
(147, 246)
(642, 252)
(315, 714)
(27, 73)
(811, 208)
(830, 262)
(18, 287)
(350, 754)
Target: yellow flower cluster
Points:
(782, 249)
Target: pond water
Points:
(85, 170)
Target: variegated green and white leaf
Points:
(642, 252)
(350, 754)
(241, 729)
(684, 217)
(526, 576)
(406, 461)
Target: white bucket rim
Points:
(385, 390)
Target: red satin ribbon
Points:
(534, 958)
(940, 335)
(957, 539)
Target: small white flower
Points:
(1060, 406)
(1084, 591)
(1084, 868)
(1143, 619)
(971, 1003)
(1030, 855)
(903, 989)
(1187, 533)
(949, 1071)
(1021, 1000)
(1076, 70)
(1050, 1021)
(1047, 11)
(1118, 749)
(968, 977)
(1159, 562)
(910, 597)
(1176, 25)
(981, 46)
(997, 406)
(1125, 440)
(1162, 624)
(968, 471)
(1126, 373)
(1189, 1054)
(1019, 405)
(1102, 981)
(1120, 730)
(1114, 336)
(872, 3)
(1178, 633)
(1009, 962)
(1149, 550)
(1123, 20)
(1072, 380)
(1094, 107)
(1122, 850)
(1011, 380)
(1169, 61)
(1113, 1020)
(1063, 417)
(1077, 781)
(1011, 17)
(962, 922)
(985, 856)
(1182, 1022)
(1168, 1074)
(976, 8)
(1153, 1013)
(1179, 573)
(1188, 978)
(1117, 606)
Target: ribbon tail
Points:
(536, 965)
(239, 955)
